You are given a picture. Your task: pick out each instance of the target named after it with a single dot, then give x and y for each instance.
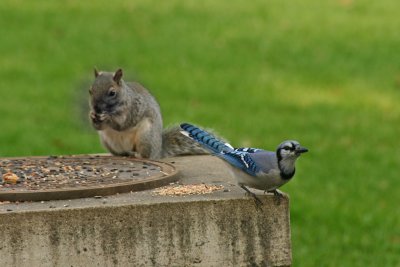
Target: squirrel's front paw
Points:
(102, 117)
(92, 115)
(97, 119)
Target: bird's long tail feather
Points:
(206, 139)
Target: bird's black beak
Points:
(300, 150)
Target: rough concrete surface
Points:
(223, 228)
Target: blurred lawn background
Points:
(326, 73)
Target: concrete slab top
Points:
(193, 170)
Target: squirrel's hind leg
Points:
(148, 141)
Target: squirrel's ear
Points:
(96, 72)
(118, 76)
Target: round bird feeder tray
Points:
(69, 177)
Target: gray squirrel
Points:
(129, 122)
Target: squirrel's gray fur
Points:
(129, 122)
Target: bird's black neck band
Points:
(287, 176)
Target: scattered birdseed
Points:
(190, 189)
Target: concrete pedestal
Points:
(223, 228)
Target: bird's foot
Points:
(277, 194)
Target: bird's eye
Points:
(287, 148)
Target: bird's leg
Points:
(256, 199)
(277, 195)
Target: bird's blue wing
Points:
(241, 160)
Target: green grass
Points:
(326, 73)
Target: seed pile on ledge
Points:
(190, 189)
(41, 173)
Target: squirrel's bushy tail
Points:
(174, 143)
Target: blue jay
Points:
(252, 167)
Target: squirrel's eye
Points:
(112, 93)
